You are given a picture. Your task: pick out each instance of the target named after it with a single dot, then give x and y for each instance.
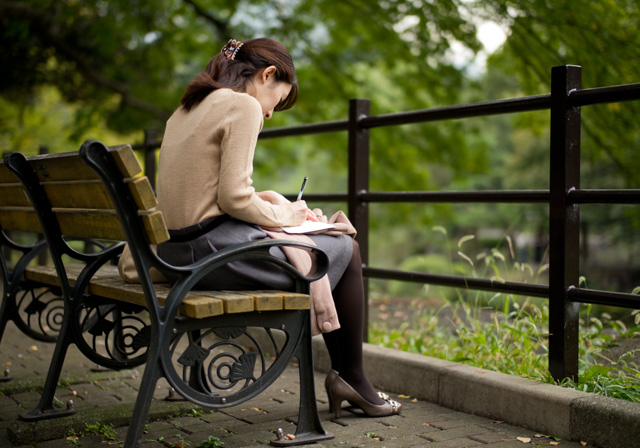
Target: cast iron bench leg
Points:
(45, 409)
(150, 377)
(309, 428)
(4, 318)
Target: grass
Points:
(514, 341)
(509, 334)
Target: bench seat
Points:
(106, 282)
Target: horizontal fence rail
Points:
(496, 107)
(455, 281)
(563, 198)
(490, 196)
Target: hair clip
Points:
(231, 49)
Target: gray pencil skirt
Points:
(190, 244)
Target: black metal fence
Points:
(563, 198)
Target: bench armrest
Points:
(253, 250)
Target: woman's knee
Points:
(356, 261)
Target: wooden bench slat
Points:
(6, 176)
(85, 194)
(21, 219)
(266, 300)
(126, 160)
(92, 194)
(12, 195)
(101, 224)
(61, 167)
(234, 301)
(87, 223)
(68, 166)
(143, 193)
(200, 307)
(156, 228)
(290, 300)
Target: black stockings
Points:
(345, 344)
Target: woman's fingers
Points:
(311, 216)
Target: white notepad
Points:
(309, 227)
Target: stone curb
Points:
(541, 407)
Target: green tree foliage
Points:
(602, 37)
(127, 63)
(144, 52)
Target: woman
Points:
(205, 193)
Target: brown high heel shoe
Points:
(340, 391)
(327, 385)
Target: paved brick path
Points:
(106, 398)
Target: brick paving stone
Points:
(455, 415)
(216, 417)
(157, 430)
(56, 444)
(510, 444)
(492, 437)
(456, 443)
(458, 422)
(202, 432)
(253, 435)
(455, 433)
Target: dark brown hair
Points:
(253, 56)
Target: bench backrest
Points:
(79, 200)
(16, 212)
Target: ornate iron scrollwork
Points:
(222, 359)
(112, 332)
(243, 368)
(40, 312)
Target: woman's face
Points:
(268, 91)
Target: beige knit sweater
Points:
(206, 163)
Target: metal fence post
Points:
(358, 183)
(564, 224)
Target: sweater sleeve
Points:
(236, 195)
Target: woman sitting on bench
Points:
(205, 193)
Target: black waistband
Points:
(197, 230)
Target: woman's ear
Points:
(269, 73)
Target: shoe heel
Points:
(336, 399)
(330, 399)
(336, 406)
(327, 386)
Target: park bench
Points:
(202, 342)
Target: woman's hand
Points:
(319, 215)
(301, 212)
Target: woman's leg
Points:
(345, 344)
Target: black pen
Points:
(304, 184)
